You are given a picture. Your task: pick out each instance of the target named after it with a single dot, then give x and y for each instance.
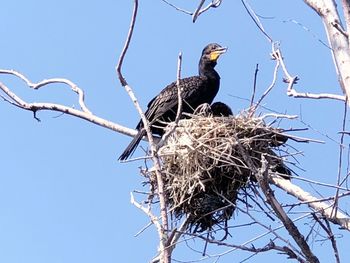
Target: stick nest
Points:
(205, 163)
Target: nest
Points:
(204, 166)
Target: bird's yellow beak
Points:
(215, 54)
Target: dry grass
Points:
(204, 165)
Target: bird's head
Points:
(213, 51)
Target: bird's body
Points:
(220, 109)
(195, 91)
(163, 108)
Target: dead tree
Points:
(259, 181)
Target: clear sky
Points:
(63, 195)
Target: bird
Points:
(195, 91)
(220, 109)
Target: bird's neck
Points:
(207, 70)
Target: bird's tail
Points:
(129, 150)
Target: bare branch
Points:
(256, 20)
(321, 207)
(346, 11)
(277, 208)
(337, 39)
(177, 8)
(268, 228)
(327, 228)
(276, 54)
(46, 82)
(147, 211)
(270, 246)
(179, 105)
(316, 5)
(126, 45)
(165, 253)
(254, 85)
(340, 164)
(86, 115)
(196, 12)
(173, 239)
(306, 95)
(199, 11)
(267, 91)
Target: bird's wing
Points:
(167, 99)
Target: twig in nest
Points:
(204, 170)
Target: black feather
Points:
(194, 90)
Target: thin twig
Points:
(144, 228)
(340, 163)
(273, 231)
(177, 234)
(199, 11)
(254, 85)
(177, 8)
(126, 45)
(327, 228)
(267, 91)
(179, 105)
(317, 200)
(256, 20)
(270, 246)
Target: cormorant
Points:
(220, 109)
(194, 90)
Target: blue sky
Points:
(63, 195)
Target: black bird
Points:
(220, 109)
(194, 90)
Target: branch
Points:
(254, 85)
(281, 214)
(291, 91)
(337, 39)
(147, 211)
(340, 163)
(176, 234)
(177, 8)
(165, 253)
(270, 246)
(269, 230)
(273, 82)
(346, 11)
(323, 208)
(85, 114)
(256, 20)
(179, 105)
(199, 11)
(43, 83)
(307, 95)
(327, 228)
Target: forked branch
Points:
(84, 113)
